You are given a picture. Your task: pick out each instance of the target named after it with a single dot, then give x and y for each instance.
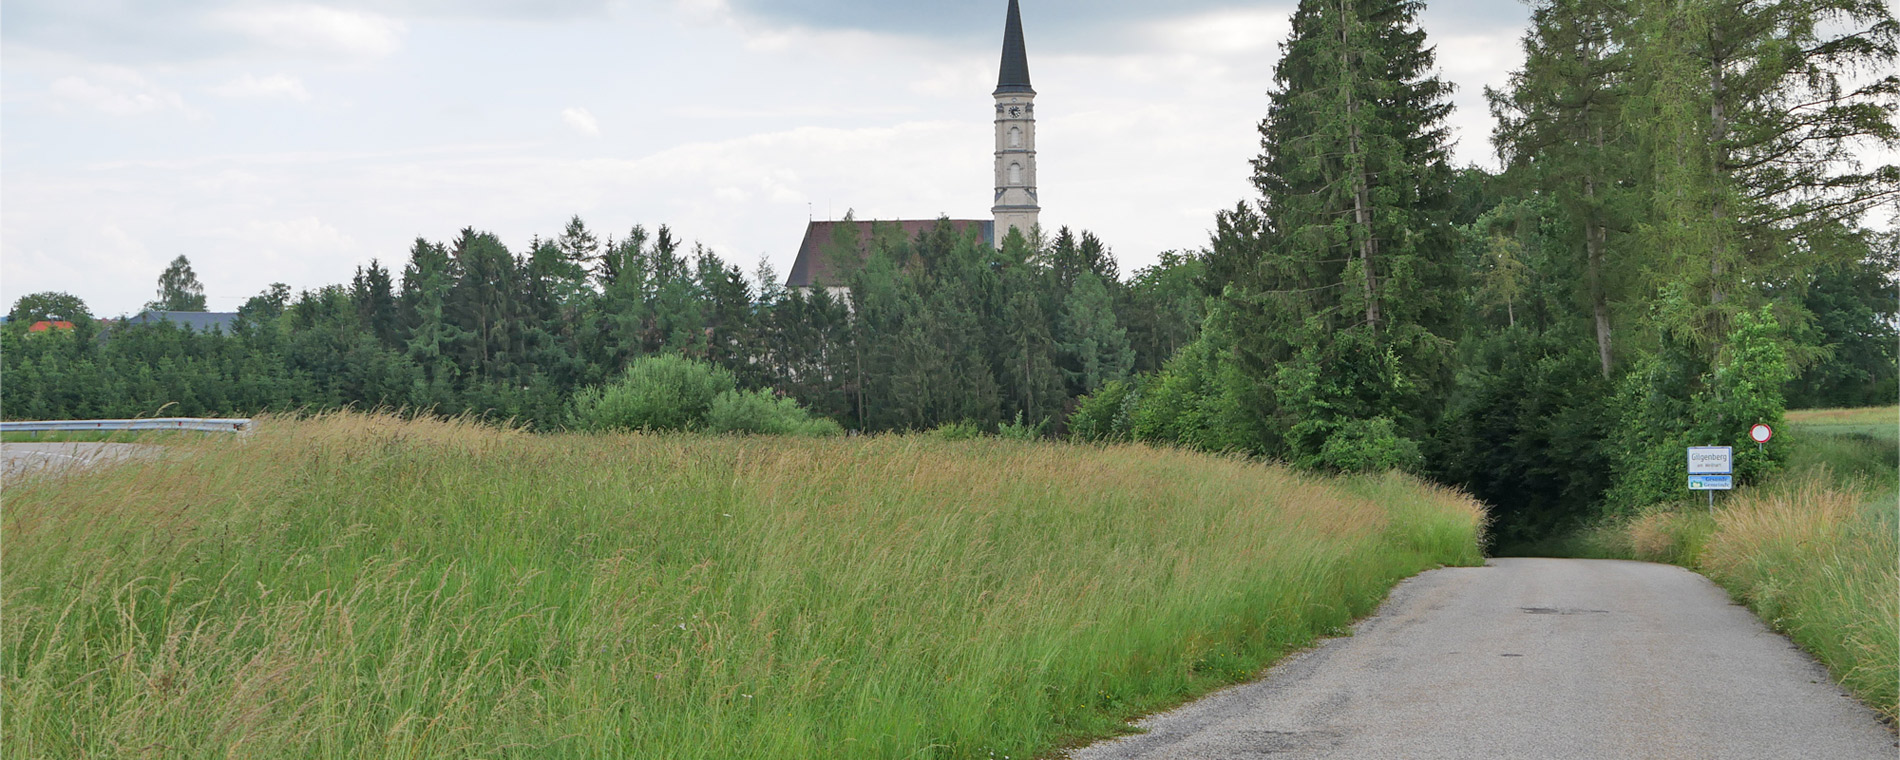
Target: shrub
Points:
(1095, 414)
(762, 412)
(656, 393)
(1372, 445)
(1675, 400)
(1020, 430)
(958, 431)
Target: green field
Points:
(1881, 423)
(365, 587)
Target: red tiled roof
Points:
(43, 326)
(814, 269)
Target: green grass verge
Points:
(356, 586)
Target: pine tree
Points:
(483, 303)
(618, 318)
(579, 253)
(373, 292)
(1091, 336)
(731, 322)
(426, 329)
(1345, 313)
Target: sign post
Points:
(1711, 468)
(1761, 434)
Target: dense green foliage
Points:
(357, 586)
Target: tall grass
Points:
(360, 586)
(1815, 554)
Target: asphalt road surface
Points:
(1534, 658)
(18, 459)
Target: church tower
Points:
(1016, 204)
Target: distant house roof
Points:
(815, 269)
(201, 321)
(43, 326)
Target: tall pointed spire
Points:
(1016, 204)
(1015, 74)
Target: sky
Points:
(296, 141)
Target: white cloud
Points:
(306, 234)
(253, 86)
(705, 11)
(1227, 32)
(582, 121)
(314, 30)
(116, 92)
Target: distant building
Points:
(49, 326)
(1016, 205)
(815, 268)
(200, 321)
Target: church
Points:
(1015, 203)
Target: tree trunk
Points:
(1718, 164)
(1356, 163)
(1594, 240)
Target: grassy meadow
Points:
(1816, 553)
(367, 587)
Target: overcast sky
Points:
(294, 141)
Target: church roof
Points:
(1015, 73)
(815, 269)
(202, 321)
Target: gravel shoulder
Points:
(1533, 658)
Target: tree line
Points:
(1674, 250)
(938, 329)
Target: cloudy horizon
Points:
(295, 141)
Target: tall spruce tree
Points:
(426, 330)
(1091, 338)
(484, 303)
(1344, 310)
(372, 290)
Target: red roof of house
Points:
(43, 326)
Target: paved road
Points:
(1534, 658)
(21, 458)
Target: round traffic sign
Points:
(1761, 433)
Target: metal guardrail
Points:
(150, 423)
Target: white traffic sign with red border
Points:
(1761, 433)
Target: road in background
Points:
(1534, 658)
(22, 458)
